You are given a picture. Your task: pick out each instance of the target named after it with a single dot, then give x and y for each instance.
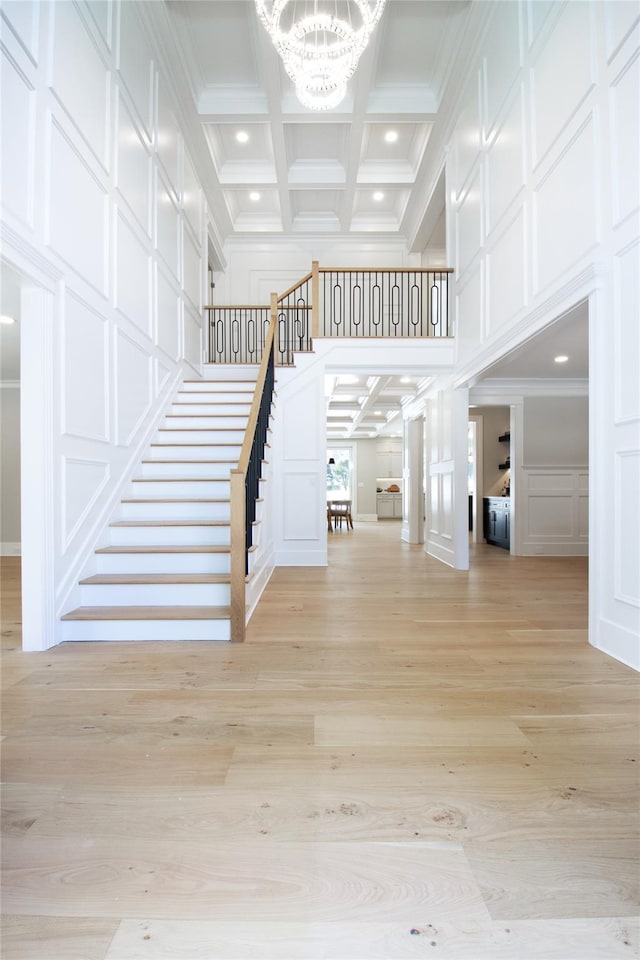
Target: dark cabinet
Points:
(497, 515)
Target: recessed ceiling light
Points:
(391, 136)
(242, 136)
(5, 318)
(254, 195)
(405, 379)
(561, 358)
(378, 195)
(377, 413)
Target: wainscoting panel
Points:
(133, 386)
(502, 61)
(17, 155)
(168, 315)
(80, 79)
(627, 527)
(192, 263)
(565, 227)
(136, 66)
(300, 443)
(192, 198)
(133, 278)
(627, 341)
(78, 222)
(85, 359)
(469, 223)
(133, 173)
(466, 138)
(82, 484)
(300, 505)
(506, 274)
(169, 140)
(24, 19)
(168, 227)
(562, 77)
(553, 508)
(625, 137)
(192, 336)
(505, 162)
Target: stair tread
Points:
(158, 578)
(175, 612)
(193, 443)
(167, 548)
(209, 416)
(175, 500)
(198, 429)
(180, 479)
(169, 523)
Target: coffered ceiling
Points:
(283, 169)
(360, 406)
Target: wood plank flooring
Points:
(402, 761)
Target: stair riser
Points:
(216, 489)
(154, 594)
(206, 422)
(181, 469)
(231, 371)
(201, 436)
(204, 393)
(211, 409)
(133, 630)
(169, 536)
(163, 563)
(168, 451)
(175, 511)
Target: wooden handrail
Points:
(236, 306)
(291, 290)
(238, 544)
(385, 269)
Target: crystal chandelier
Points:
(320, 43)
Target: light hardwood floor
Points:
(402, 761)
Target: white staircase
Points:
(165, 573)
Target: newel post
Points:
(315, 299)
(274, 317)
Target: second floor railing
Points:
(335, 302)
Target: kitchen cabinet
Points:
(497, 521)
(389, 506)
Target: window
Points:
(339, 473)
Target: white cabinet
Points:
(389, 457)
(389, 506)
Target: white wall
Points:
(256, 270)
(543, 203)
(9, 469)
(103, 209)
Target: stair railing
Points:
(394, 302)
(245, 479)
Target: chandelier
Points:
(320, 43)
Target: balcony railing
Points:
(335, 302)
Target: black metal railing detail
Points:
(294, 321)
(237, 334)
(384, 303)
(256, 457)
